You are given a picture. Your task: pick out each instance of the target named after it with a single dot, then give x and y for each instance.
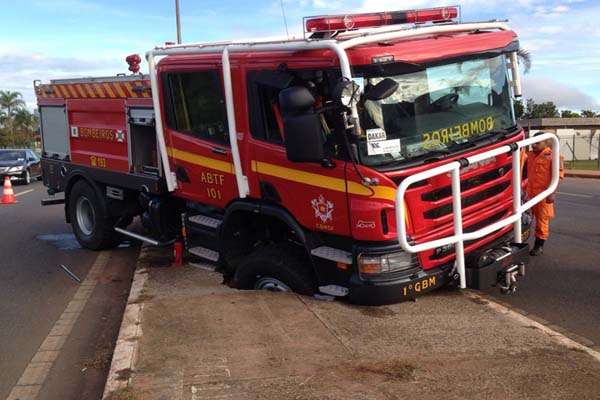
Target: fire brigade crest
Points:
(323, 208)
(120, 136)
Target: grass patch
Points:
(590, 165)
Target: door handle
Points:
(219, 150)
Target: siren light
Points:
(346, 22)
(134, 61)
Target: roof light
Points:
(332, 23)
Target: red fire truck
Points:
(375, 159)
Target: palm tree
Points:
(524, 57)
(10, 102)
(26, 123)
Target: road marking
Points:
(24, 192)
(576, 194)
(36, 372)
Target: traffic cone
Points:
(8, 196)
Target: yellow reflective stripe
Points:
(290, 174)
(307, 178)
(207, 162)
(323, 181)
(379, 192)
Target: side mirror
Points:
(382, 90)
(346, 92)
(304, 140)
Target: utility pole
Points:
(177, 16)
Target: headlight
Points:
(16, 169)
(370, 266)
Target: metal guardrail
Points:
(454, 167)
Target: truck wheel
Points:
(92, 228)
(276, 268)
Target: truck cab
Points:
(282, 160)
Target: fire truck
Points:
(374, 159)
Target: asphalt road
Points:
(563, 285)
(35, 291)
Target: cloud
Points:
(19, 70)
(564, 96)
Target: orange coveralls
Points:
(539, 175)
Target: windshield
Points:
(12, 155)
(436, 109)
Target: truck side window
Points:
(265, 121)
(197, 105)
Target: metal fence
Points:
(581, 150)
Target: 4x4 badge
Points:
(323, 208)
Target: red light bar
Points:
(372, 20)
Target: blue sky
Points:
(43, 39)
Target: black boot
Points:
(538, 247)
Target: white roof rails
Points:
(226, 48)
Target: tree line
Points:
(548, 109)
(19, 127)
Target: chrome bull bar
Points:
(454, 167)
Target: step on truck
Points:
(374, 159)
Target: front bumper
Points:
(12, 175)
(378, 293)
(501, 256)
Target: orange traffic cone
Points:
(8, 197)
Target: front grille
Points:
(467, 201)
(471, 228)
(467, 184)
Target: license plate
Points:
(422, 285)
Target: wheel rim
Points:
(271, 284)
(27, 177)
(86, 218)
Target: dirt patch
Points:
(101, 359)
(124, 374)
(123, 394)
(376, 312)
(395, 370)
(142, 298)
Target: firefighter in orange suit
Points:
(539, 175)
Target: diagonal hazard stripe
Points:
(108, 90)
(89, 90)
(81, 91)
(119, 90)
(98, 90)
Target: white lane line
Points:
(24, 192)
(34, 376)
(575, 194)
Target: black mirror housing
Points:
(382, 90)
(304, 140)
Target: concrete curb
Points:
(581, 175)
(130, 333)
(527, 321)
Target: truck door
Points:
(314, 194)
(197, 135)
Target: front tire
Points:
(275, 267)
(26, 179)
(92, 227)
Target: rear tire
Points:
(276, 267)
(92, 227)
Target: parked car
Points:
(20, 164)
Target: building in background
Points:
(579, 138)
